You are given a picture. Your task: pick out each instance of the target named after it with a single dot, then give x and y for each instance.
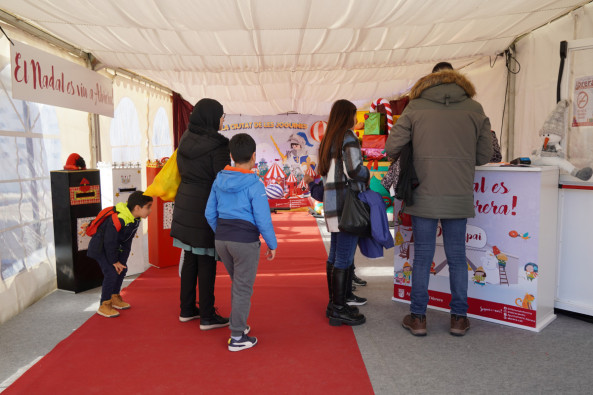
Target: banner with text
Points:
(287, 146)
(41, 77)
(501, 251)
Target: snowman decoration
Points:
(551, 152)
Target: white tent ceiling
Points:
(273, 56)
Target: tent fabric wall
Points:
(147, 101)
(490, 83)
(301, 60)
(34, 139)
(539, 56)
(264, 57)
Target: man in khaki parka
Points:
(450, 135)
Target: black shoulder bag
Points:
(356, 217)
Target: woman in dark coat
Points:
(201, 154)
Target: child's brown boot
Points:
(118, 303)
(106, 310)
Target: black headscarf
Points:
(206, 116)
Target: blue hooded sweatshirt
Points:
(238, 208)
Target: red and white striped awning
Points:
(275, 172)
(310, 172)
(302, 184)
(291, 179)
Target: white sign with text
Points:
(40, 77)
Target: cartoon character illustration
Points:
(407, 273)
(479, 276)
(83, 227)
(489, 265)
(432, 268)
(399, 277)
(502, 258)
(514, 233)
(525, 302)
(399, 239)
(286, 169)
(297, 154)
(262, 167)
(531, 271)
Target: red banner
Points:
(496, 311)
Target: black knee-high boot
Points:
(351, 299)
(342, 313)
(329, 268)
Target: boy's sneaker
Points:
(106, 310)
(118, 303)
(215, 322)
(189, 317)
(242, 344)
(247, 330)
(358, 281)
(354, 300)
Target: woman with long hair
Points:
(201, 154)
(341, 166)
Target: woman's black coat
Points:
(201, 154)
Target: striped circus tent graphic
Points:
(275, 172)
(302, 185)
(291, 179)
(310, 172)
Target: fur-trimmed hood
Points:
(444, 78)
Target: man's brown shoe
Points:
(416, 324)
(106, 310)
(118, 303)
(459, 325)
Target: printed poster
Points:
(168, 214)
(501, 251)
(583, 102)
(82, 239)
(287, 146)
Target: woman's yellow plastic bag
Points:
(166, 182)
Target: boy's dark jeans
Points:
(197, 269)
(111, 280)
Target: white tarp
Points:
(262, 57)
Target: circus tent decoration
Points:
(275, 172)
(291, 182)
(303, 186)
(310, 172)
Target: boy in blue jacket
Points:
(111, 249)
(238, 211)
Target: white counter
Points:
(575, 250)
(512, 240)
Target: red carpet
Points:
(147, 350)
